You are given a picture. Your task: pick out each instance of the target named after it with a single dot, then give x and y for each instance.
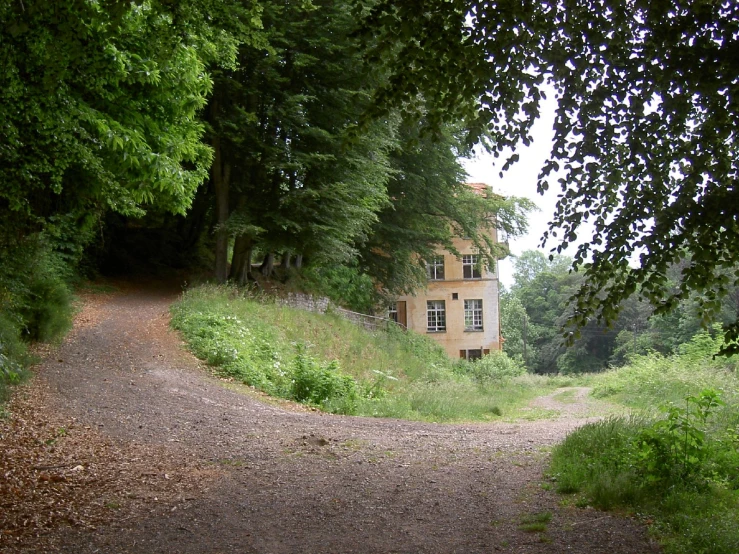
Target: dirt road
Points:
(124, 443)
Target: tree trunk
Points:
(298, 261)
(241, 263)
(221, 177)
(285, 263)
(268, 265)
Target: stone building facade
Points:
(459, 308)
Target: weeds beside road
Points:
(258, 477)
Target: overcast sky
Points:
(520, 180)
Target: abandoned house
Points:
(459, 308)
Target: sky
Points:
(520, 180)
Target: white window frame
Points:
(470, 267)
(435, 316)
(392, 311)
(435, 268)
(473, 320)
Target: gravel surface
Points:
(123, 442)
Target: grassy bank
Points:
(676, 460)
(324, 360)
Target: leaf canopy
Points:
(645, 144)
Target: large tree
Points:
(645, 144)
(430, 204)
(100, 104)
(286, 178)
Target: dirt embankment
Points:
(124, 443)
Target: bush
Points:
(495, 366)
(322, 384)
(666, 467)
(13, 355)
(35, 302)
(345, 285)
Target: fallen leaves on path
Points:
(56, 472)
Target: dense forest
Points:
(539, 304)
(321, 140)
(213, 135)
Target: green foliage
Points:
(536, 307)
(35, 300)
(643, 150)
(679, 465)
(428, 205)
(345, 285)
(669, 378)
(495, 366)
(249, 352)
(13, 354)
(675, 448)
(280, 120)
(296, 354)
(322, 384)
(101, 102)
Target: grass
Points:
(535, 523)
(288, 353)
(566, 397)
(675, 459)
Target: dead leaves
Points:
(56, 472)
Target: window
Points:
(392, 311)
(474, 353)
(470, 267)
(435, 268)
(473, 315)
(435, 316)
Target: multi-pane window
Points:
(392, 311)
(473, 315)
(474, 353)
(435, 268)
(435, 315)
(470, 267)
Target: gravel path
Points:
(154, 455)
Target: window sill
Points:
(474, 330)
(435, 332)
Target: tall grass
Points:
(649, 380)
(395, 373)
(676, 459)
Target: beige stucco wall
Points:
(455, 338)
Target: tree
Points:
(99, 112)
(429, 204)
(543, 291)
(286, 179)
(646, 143)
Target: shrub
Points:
(35, 302)
(322, 384)
(682, 469)
(495, 366)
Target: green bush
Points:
(35, 302)
(495, 367)
(13, 355)
(322, 384)
(664, 467)
(345, 285)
